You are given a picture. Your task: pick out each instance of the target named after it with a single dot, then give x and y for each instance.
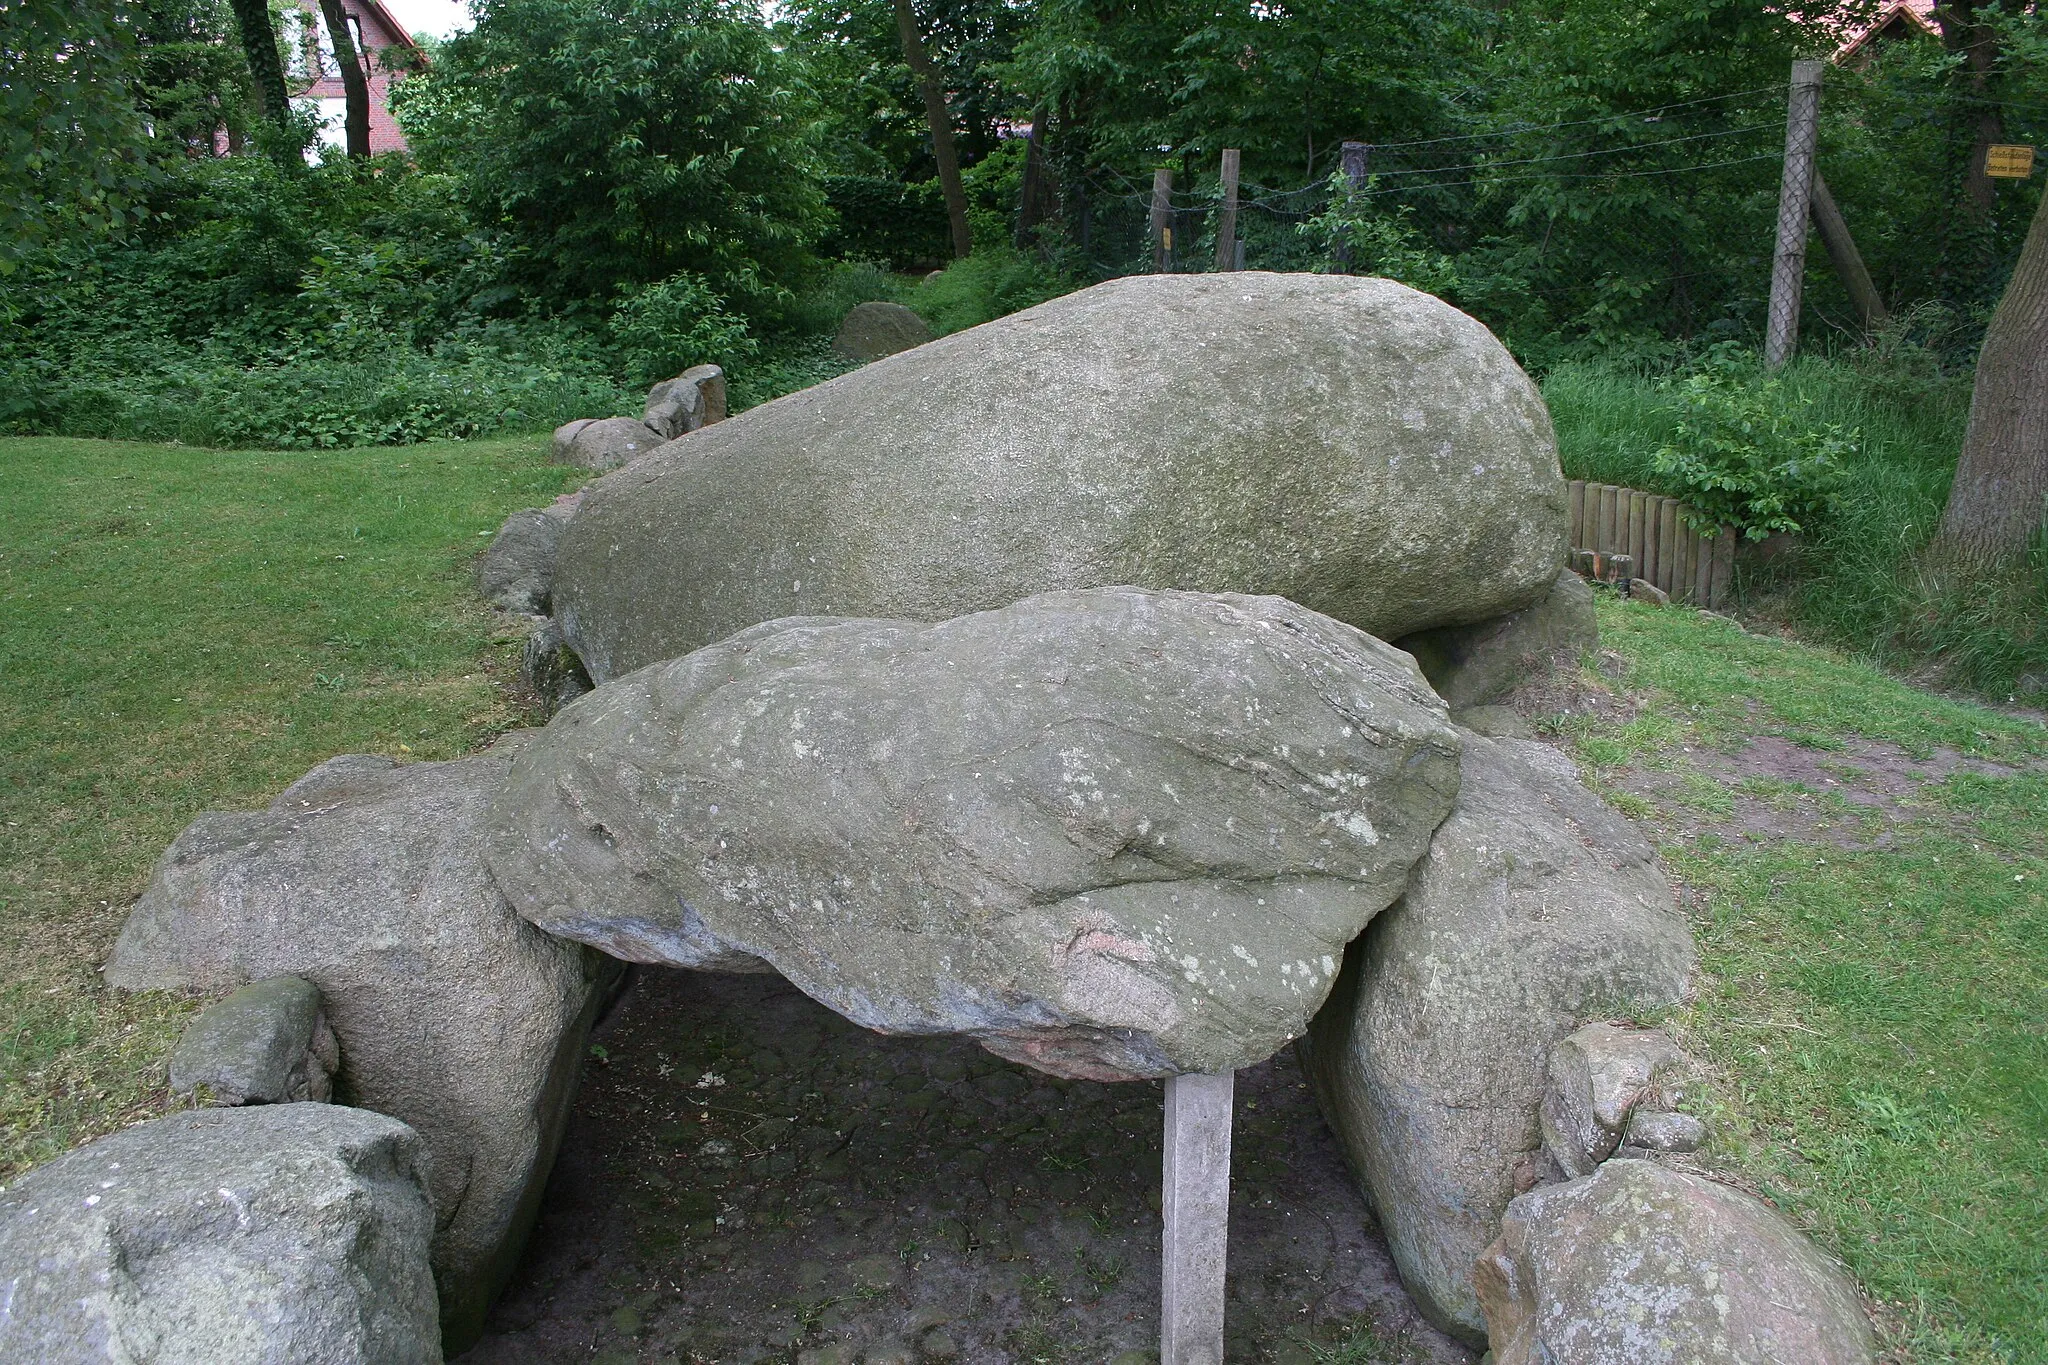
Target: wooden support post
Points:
(1575, 516)
(1162, 220)
(1196, 1207)
(1226, 220)
(1795, 197)
(1847, 260)
(1703, 570)
(1354, 158)
(1609, 500)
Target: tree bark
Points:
(941, 125)
(1999, 500)
(355, 86)
(259, 46)
(1962, 31)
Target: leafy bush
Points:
(666, 328)
(621, 141)
(993, 282)
(1747, 455)
(881, 218)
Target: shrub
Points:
(993, 282)
(881, 218)
(1747, 455)
(666, 328)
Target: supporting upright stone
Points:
(1197, 1209)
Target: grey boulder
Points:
(1536, 908)
(279, 1234)
(1597, 1077)
(1639, 1265)
(1109, 834)
(873, 330)
(453, 1014)
(607, 443)
(565, 437)
(1361, 448)
(267, 1043)
(518, 569)
(693, 399)
(550, 669)
(1471, 666)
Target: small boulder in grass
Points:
(874, 330)
(267, 1043)
(1637, 1264)
(693, 399)
(606, 443)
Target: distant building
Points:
(386, 51)
(1899, 19)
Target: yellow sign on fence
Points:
(2008, 162)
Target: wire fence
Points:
(1627, 230)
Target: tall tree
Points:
(355, 86)
(1967, 32)
(266, 68)
(1999, 500)
(621, 141)
(941, 122)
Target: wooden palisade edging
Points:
(1650, 529)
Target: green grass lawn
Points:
(186, 629)
(183, 629)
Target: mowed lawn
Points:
(184, 629)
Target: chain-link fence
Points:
(1626, 231)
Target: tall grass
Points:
(1859, 579)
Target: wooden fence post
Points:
(1162, 220)
(1847, 260)
(1226, 221)
(1795, 198)
(1354, 157)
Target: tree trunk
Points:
(259, 46)
(941, 125)
(355, 86)
(1963, 31)
(2000, 496)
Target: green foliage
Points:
(880, 218)
(1856, 579)
(666, 328)
(991, 283)
(1373, 241)
(1746, 454)
(309, 308)
(619, 142)
(72, 145)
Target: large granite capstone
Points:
(1110, 834)
(1361, 448)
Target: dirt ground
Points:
(749, 1178)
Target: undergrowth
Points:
(1857, 578)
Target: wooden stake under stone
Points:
(1197, 1211)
